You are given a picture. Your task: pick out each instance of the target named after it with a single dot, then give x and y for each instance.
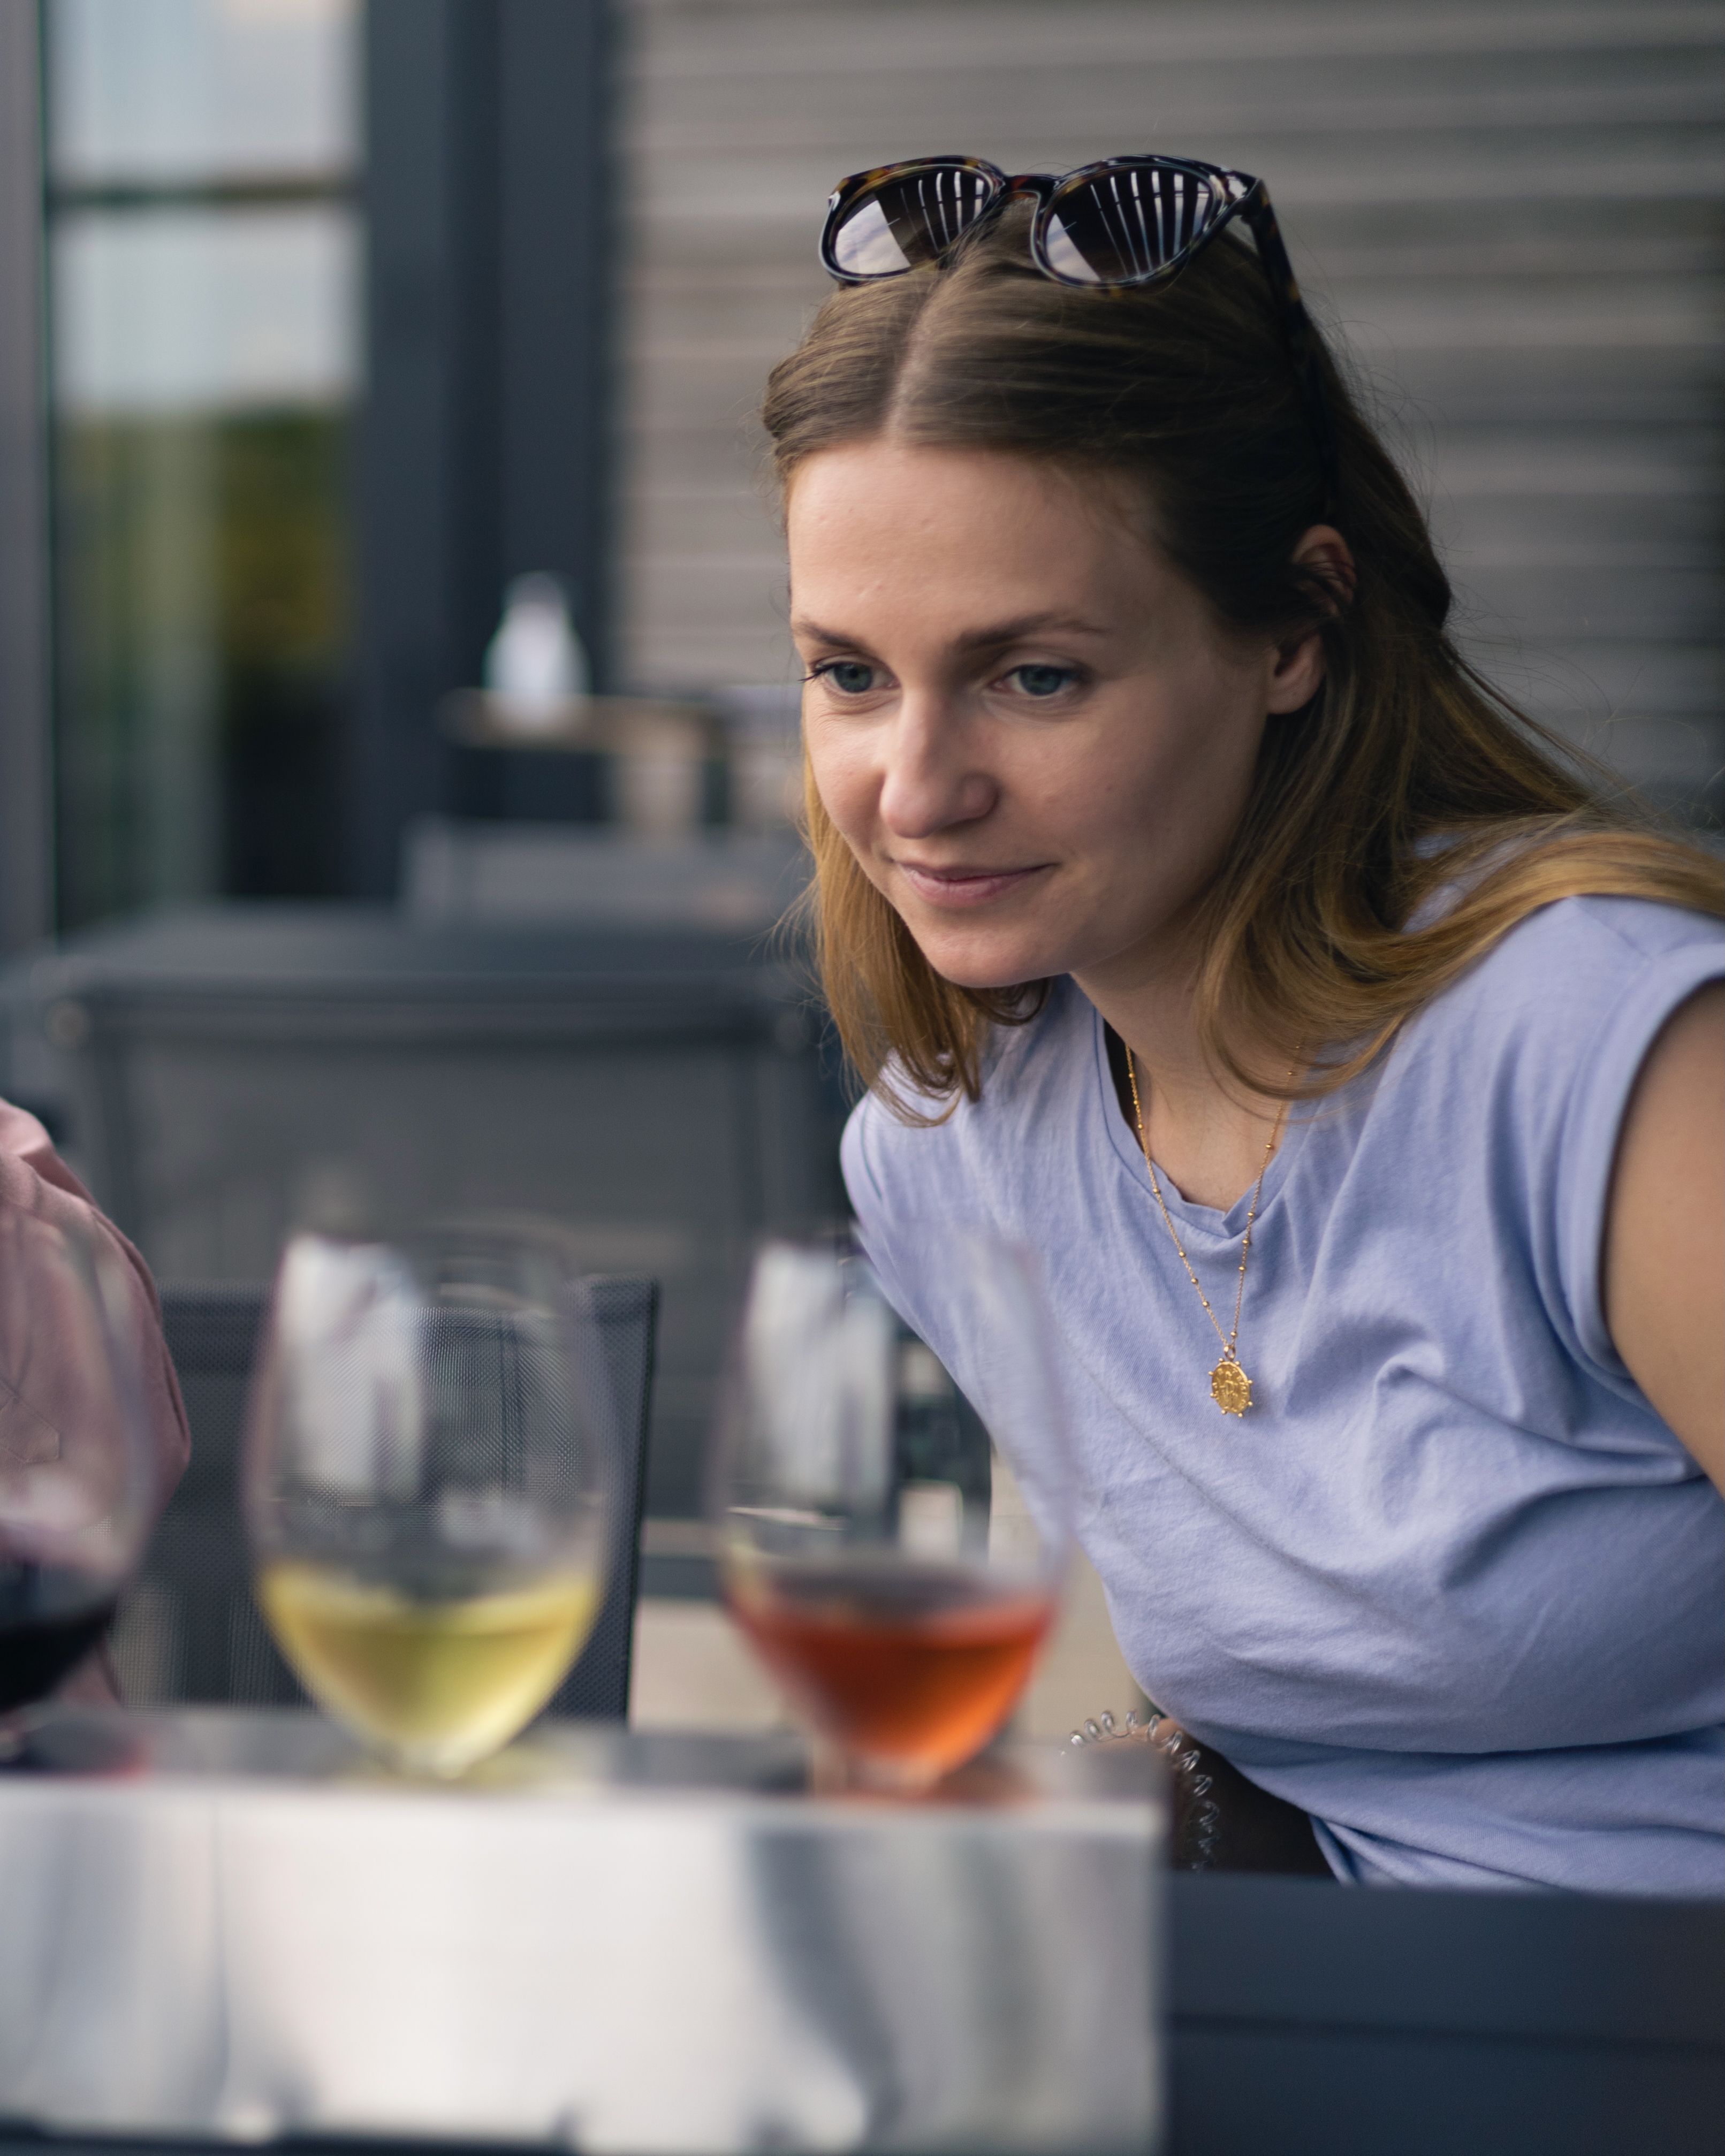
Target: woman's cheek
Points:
(847, 786)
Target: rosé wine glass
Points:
(893, 1556)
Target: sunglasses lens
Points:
(1119, 226)
(912, 218)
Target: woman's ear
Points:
(1328, 559)
(1296, 670)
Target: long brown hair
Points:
(1407, 773)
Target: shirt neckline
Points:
(1207, 1220)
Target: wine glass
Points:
(428, 1476)
(77, 1473)
(893, 1556)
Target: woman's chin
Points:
(966, 966)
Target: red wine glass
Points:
(76, 1470)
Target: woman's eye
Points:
(851, 677)
(1042, 681)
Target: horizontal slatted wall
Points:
(1513, 213)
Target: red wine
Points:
(916, 1668)
(50, 1618)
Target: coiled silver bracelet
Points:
(1198, 1819)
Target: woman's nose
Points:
(932, 779)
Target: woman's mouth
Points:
(953, 890)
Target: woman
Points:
(1192, 912)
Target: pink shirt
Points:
(39, 1387)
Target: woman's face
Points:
(1022, 719)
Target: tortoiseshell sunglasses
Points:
(1123, 223)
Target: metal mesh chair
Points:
(189, 1631)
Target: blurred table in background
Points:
(223, 1073)
(594, 876)
(728, 763)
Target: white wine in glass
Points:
(893, 1558)
(428, 1472)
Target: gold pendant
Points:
(1231, 1388)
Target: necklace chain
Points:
(1231, 1388)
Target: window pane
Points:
(184, 88)
(187, 311)
(204, 364)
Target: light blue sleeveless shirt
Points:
(1451, 1585)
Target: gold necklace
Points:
(1231, 1388)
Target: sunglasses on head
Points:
(1123, 224)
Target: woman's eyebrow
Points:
(813, 630)
(976, 640)
(1030, 624)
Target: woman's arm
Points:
(1665, 1229)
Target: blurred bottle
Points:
(535, 664)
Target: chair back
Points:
(188, 1631)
